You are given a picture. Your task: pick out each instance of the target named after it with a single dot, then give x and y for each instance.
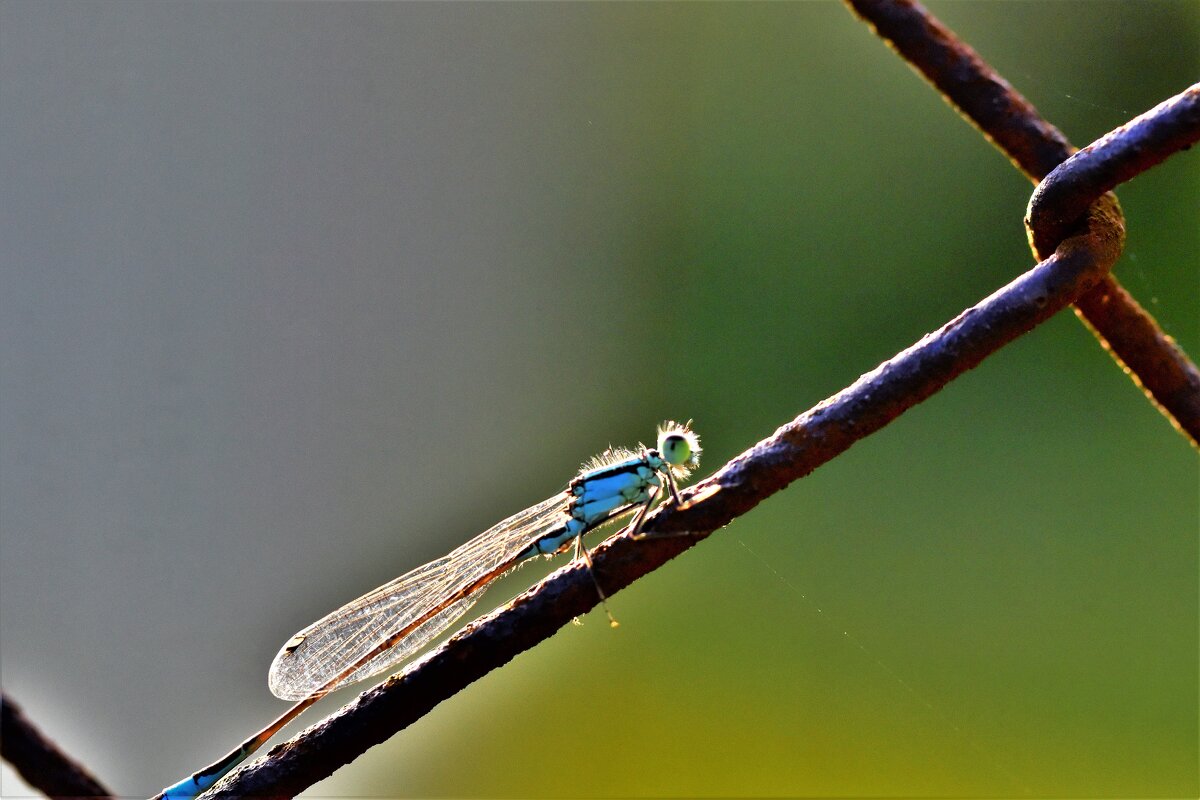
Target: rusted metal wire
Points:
(1148, 139)
(1149, 356)
(39, 761)
(968, 83)
(1169, 378)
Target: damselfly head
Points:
(679, 445)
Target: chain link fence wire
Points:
(1168, 377)
(39, 761)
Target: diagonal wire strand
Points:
(39, 761)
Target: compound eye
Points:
(679, 446)
(676, 449)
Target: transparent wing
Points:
(322, 651)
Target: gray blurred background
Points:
(298, 296)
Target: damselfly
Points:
(384, 627)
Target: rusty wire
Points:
(1064, 195)
(1131, 335)
(1077, 268)
(39, 761)
(1149, 356)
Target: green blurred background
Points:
(298, 296)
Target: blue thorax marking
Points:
(600, 494)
